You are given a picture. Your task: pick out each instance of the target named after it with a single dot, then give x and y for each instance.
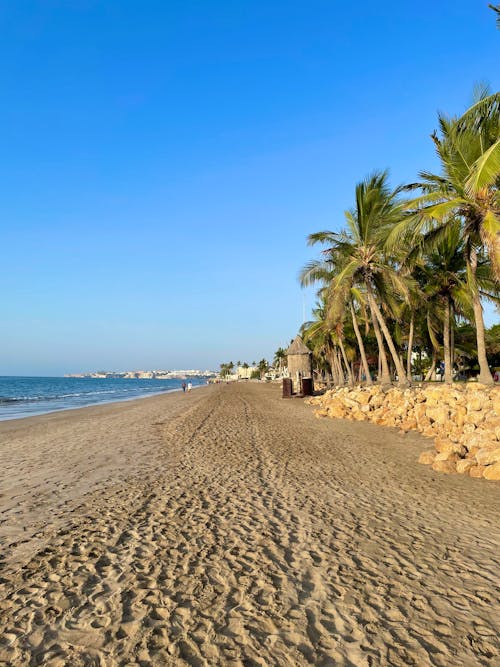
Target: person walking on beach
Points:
(183, 387)
(190, 386)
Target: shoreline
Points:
(233, 527)
(96, 404)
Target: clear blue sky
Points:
(162, 162)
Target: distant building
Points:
(245, 373)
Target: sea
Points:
(28, 396)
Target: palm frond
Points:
(485, 171)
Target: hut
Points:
(299, 366)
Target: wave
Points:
(58, 397)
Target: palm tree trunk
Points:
(431, 370)
(485, 376)
(333, 370)
(452, 339)
(402, 380)
(361, 345)
(384, 375)
(448, 376)
(340, 373)
(346, 363)
(340, 368)
(410, 346)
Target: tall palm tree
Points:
(280, 359)
(337, 300)
(497, 10)
(321, 335)
(442, 272)
(361, 260)
(468, 188)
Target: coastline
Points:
(90, 404)
(230, 527)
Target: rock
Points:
(463, 420)
(445, 445)
(427, 457)
(460, 412)
(479, 440)
(363, 397)
(439, 415)
(476, 471)
(447, 467)
(337, 412)
(474, 418)
(464, 465)
(492, 472)
(487, 456)
(477, 401)
(447, 456)
(377, 401)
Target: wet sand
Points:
(230, 527)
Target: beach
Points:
(228, 526)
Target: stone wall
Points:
(463, 420)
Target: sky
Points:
(162, 163)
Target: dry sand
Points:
(230, 527)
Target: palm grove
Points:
(413, 265)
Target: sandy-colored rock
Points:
(481, 439)
(439, 414)
(427, 457)
(377, 400)
(476, 471)
(447, 456)
(448, 467)
(471, 454)
(487, 456)
(474, 417)
(446, 445)
(459, 417)
(409, 424)
(463, 419)
(492, 472)
(478, 401)
(464, 465)
(363, 397)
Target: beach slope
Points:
(231, 527)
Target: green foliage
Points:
(416, 268)
(263, 367)
(496, 9)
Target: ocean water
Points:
(27, 396)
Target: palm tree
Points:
(337, 300)
(280, 359)
(468, 188)
(497, 10)
(361, 261)
(322, 337)
(263, 367)
(442, 273)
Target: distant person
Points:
(183, 386)
(496, 375)
(190, 386)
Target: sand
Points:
(230, 527)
